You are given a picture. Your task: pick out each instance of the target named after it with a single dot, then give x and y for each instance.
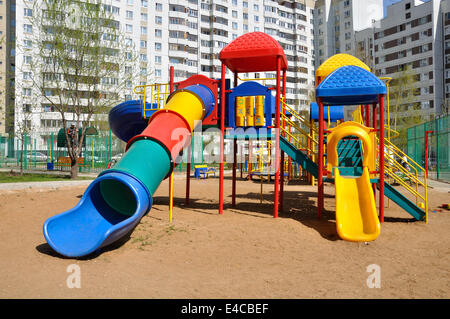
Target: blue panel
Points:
(336, 112)
(350, 85)
(250, 88)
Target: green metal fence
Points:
(438, 146)
(41, 152)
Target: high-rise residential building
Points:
(413, 35)
(7, 38)
(337, 21)
(189, 35)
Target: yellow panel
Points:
(259, 110)
(335, 62)
(356, 213)
(249, 109)
(240, 111)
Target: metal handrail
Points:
(158, 93)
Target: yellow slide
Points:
(356, 213)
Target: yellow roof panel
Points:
(337, 61)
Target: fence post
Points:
(437, 146)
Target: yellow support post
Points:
(171, 197)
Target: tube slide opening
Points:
(118, 196)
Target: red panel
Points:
(170, 128)
(253, 52)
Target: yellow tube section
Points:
(188, 105)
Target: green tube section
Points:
(146, 160)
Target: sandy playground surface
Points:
(245, 253)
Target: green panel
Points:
(146, 160)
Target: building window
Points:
(158, 33)
(158, 20)
(158, 59)
(129, 14)
(158, 46)
(28, 28)
(27, 12)
(158, 7)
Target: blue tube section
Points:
(92, 223)
(126, 120)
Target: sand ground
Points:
(245, 253)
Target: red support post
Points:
(233, 186)
(277, 140)
(374, 125)
(233, 182)
(381, 160)
(367, 112)
(320, 193)
(222, 138)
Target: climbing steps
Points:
(298, 156)
(403, 202)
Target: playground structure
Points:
(354, 155)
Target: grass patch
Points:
(15, 177)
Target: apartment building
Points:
(413, 34)
(445, 16)
(7, 36)
(337, 21)
(189, 35)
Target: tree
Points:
(23, 129)
(81, 64)
(404, 111)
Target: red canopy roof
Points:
(253, 52)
